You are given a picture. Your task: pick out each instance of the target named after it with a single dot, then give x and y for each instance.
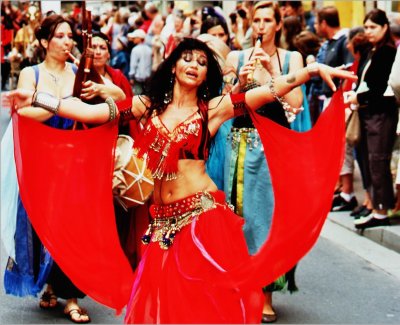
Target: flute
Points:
(250, 76)
(74, 59)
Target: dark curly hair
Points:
(159, 83)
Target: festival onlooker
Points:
(308, 44)
(359, 46)
(217, 27)
(6, 35)
(394, 79)
(177, 35)
(240, 25)
(154, 40)
(394, 82)
(327, 24)
(140, 65)
(293, 9)
(291, 28)
(378, 116)
(117, 26)
(149, 12)
(121, 58)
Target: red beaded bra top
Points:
(189, 140)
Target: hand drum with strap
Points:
(132, 181)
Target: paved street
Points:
(345, 279)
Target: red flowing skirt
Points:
(178, 285)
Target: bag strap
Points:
(365, 71)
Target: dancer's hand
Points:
(327, 73)
(18, 98)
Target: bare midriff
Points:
(191, 178)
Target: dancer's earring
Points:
(204, 92)
(168, 94)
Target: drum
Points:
(132, 181)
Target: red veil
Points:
(304, 169)
(65, 185)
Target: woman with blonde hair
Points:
(251, 194)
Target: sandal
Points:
(75, 315)
(269, 318)
(48, 300)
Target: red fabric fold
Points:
(65, 181)
(65, 184)
(304, 169)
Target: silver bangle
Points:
(313, 69)
(46, 101)
(112, 108)
(290, 116)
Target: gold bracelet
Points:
(112, 108)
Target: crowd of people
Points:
(188, 88)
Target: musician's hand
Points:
(244, 71)
(265, 60)
(17, 98)
(90, 90)
(229, 78)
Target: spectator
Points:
(308, 44)
(217, 27)
(292, 9)
(240, 25)
(153, 39)
(149, 12)
(169, 26)
(327, 24)
(359, 46)
(177, 35)
(291, 27)
(394, 79)
(141, 61)
(378, 116)
(121, 59)
(117, 26)
(394, 82)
